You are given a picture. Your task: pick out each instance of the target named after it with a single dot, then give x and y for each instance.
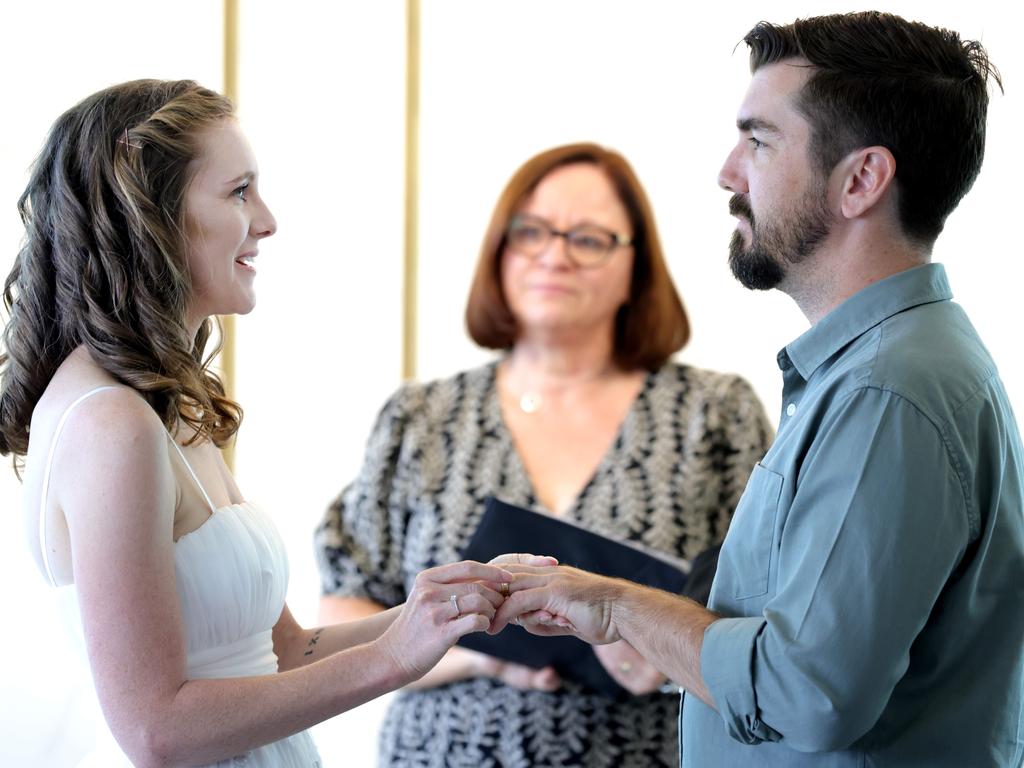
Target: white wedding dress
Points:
(232, 575)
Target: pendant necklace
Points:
(530, 402)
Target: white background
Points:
(322, 99)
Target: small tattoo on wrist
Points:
(312, 642)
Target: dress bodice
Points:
(232, 575)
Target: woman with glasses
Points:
(583, 416)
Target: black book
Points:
(507, 528)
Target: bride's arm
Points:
(113, 481)
(296, 647)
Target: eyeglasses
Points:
(587, 245)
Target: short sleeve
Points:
(741, 435)
(359, 542)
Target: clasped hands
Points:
(449, 601)
(548, 599)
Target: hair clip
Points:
(126, 141)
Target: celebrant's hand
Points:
(628, 668)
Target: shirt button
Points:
(791, 409)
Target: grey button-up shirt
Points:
(873, 576)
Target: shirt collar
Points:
(863, 311)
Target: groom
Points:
(869, 601)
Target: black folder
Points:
(507, 528)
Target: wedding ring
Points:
(626, 667)
(455, 602)
(504, 589)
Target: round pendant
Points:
(529, 402)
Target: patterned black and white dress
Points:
(670, 481)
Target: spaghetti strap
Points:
(195, 477)
(46, 476)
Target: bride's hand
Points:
(445, 603)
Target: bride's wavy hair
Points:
(103, 262)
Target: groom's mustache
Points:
(739, 205)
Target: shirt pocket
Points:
(752, 533)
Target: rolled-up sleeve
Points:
(727, 666)
(862, 542)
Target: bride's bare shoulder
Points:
(114, 412)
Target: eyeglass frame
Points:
(618, 239)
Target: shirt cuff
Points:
(727, 667)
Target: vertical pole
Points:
(410, 273)
(227, 352)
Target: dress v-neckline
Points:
(497, 419)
